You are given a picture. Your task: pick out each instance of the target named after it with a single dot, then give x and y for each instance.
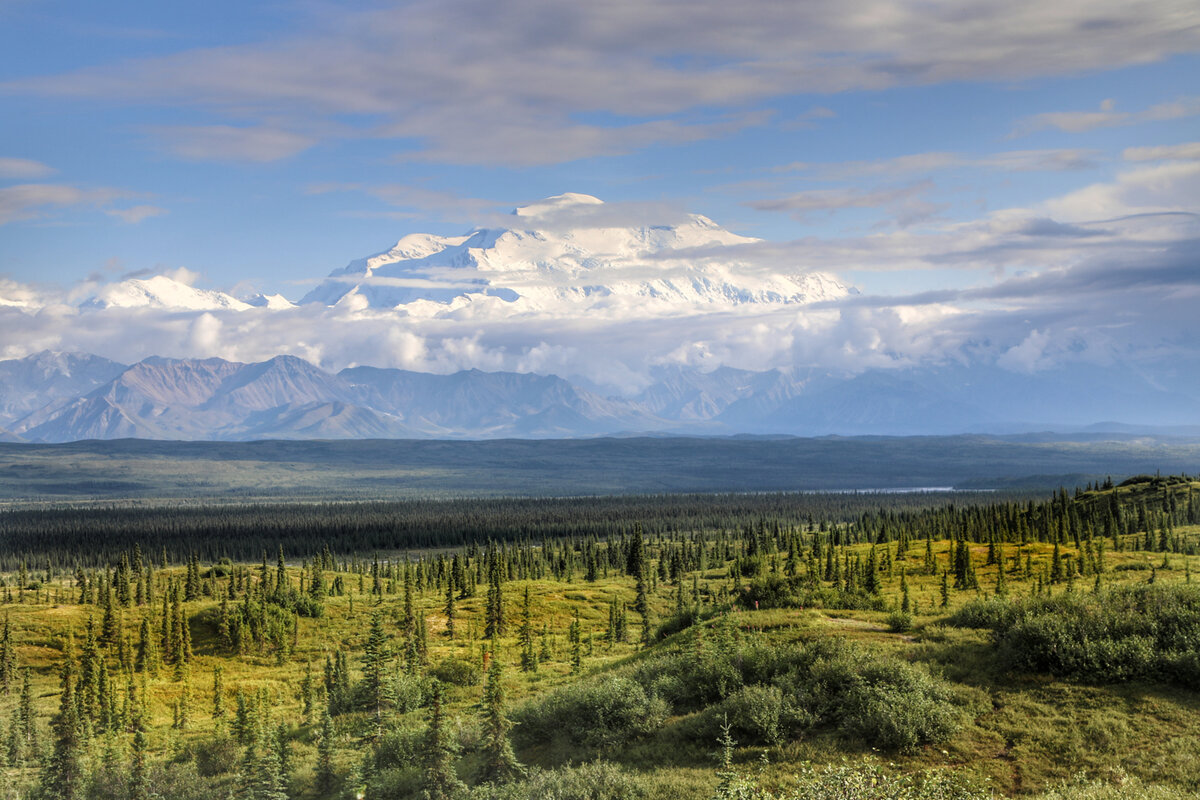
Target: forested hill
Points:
(526, 468)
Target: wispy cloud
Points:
(1188, 151)
(1059, 160)
(33, 200)
(229, 143)
(1106, 117)
(135, 214)
(469, 81)
(23, 169)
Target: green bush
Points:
(899, 621)
(773, 590)
(770, 693)
(457, 672)
(1128, 633)
(857, 782)
(399, 747)
(1119, 787)
(755, 714)
(885, 702)
(679, 621)
(602, 713)
(215, 755)
(409, 692)
(598, 780)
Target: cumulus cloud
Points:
(470, 81)
(1167, 187)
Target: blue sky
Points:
(262, 145)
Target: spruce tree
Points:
(495, 600)
(642, 606)
(575, 636)
(139, 786)
(26, 716)
(529, 659)
(375, 668)
(440, 780)
(450, 611)
(8, 658)
(500, 764)
(218, 708)
(63, 776)
(326, 778)
(306, 693)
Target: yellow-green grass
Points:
(1020, 732)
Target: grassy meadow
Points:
(861, 662)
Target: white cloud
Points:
(229, 143)
(1107, 117)
(1028, 356)
(472, 81)
(1011, 161)
(135, 214)
(1188, 151)
(23, 169)
(1168, 187)
(32, 200)
(905, 204)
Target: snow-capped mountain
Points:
(561, 253)
(164, 292)
(271, 302)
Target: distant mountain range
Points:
(59, 397)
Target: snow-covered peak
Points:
(271, 302)
(557, 203)
(564, 255)
(161, 291)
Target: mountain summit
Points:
(568, 253)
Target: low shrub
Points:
(215, 755)
(598, 780)
(856, 782)
(899, 621)
(399, 747)
(409, 692)
(457, 672)
(770, 693)
(754, 714)
(1128, 633)
(773, 590)
(601, 713)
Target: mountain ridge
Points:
(288, 397)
